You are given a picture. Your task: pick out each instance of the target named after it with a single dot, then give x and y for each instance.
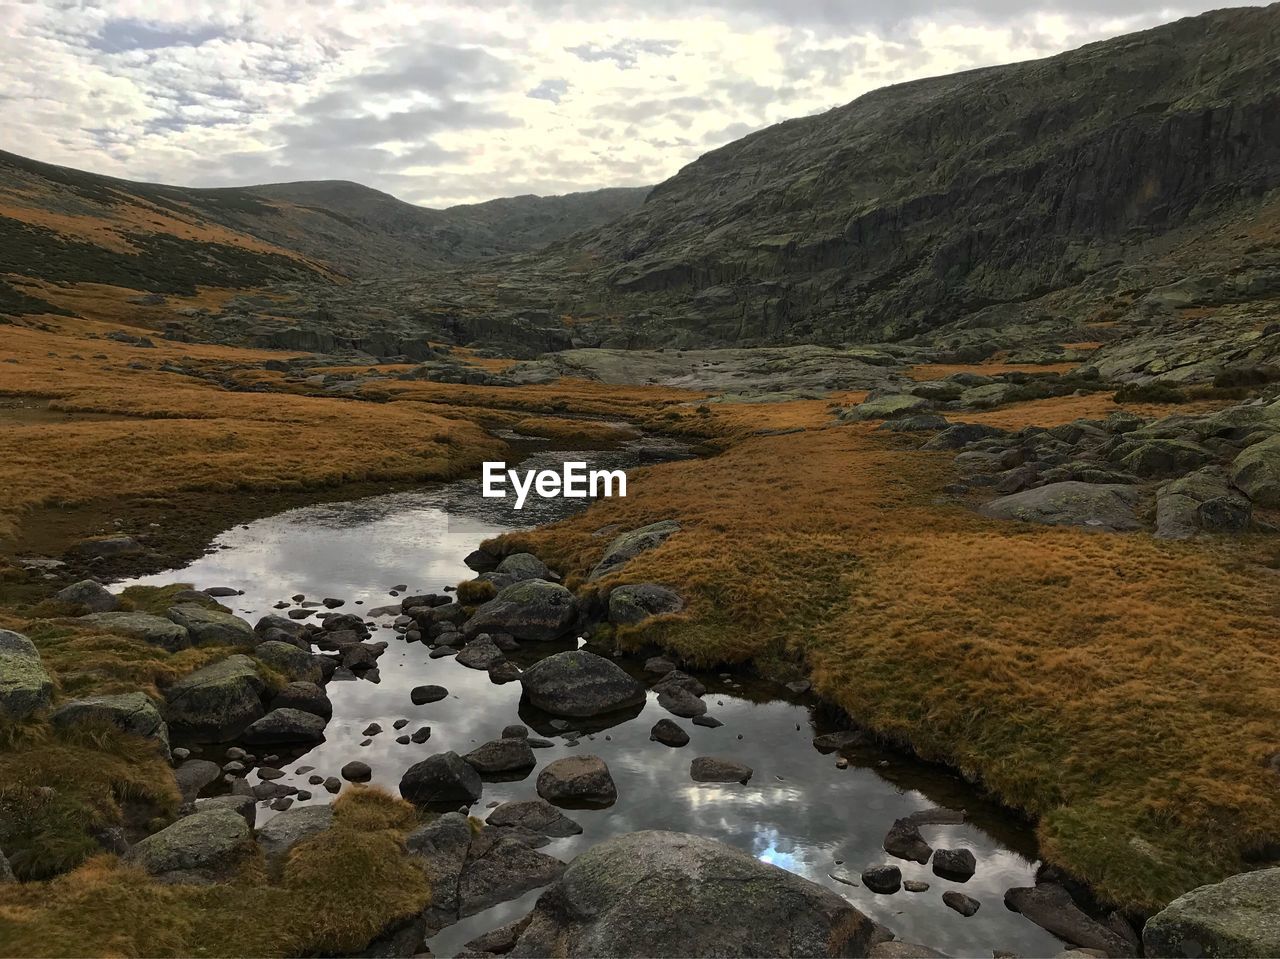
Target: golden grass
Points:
(938, 371)
(338, 891)
(1124, 691)
(574, 431)
(179, 433)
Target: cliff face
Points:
(920, 203)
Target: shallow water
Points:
(799, 811)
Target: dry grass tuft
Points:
(339, 891)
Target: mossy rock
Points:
(217, 702)
(212, 627)
(627, 546)
(155, 630)
(25, 685)
(1257, 472)
(534, 609)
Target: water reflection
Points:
(798, 811)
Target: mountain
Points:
(67, 226)
(1057, 185)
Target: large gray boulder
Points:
(1100, 506)
(1257, 471)
(501, 868)
(308, 697)
(533, 609)
(1239, 916)
(285, 726)
(213, 627)
(132, 712)
(638, 601)
(215, 703)
(25, 685)
(627, 546)
(501, 756)
(442, 778)
(1202, 502)
(441, 846)
(87, 595)
(579, 683)
(155, 630)
(673, 894)
(201, 848)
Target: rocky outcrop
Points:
(25, 686)
(1239, 916)
(287, 829)
(668, 894)
(87, 596)
(1202, 502)
(1098, 506)
(1257, 472)
(579, 683)
(1051, 907)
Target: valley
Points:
(952, 451)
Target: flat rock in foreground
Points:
(668, 894)
(1239, 916)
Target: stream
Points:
(799, 811)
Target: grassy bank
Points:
(1122, 690)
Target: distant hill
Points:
(64, 225)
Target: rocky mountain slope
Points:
(67, 226)
(1107, 169)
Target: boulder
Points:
(132, 712)
(295, 664)
(155, 630)
(501, 756)
(481, 653)
(887, 407)
(293, 628)
(534, 609)
(672, 894)
(519, 567)
(959, 435)
(285, 726)
(212, 627)
(281, 833)
(1239, 916)
(955, 864)
(192, 775)
(442, 778)
(421, 695)
(215, 703)
(681, 702)
(719, 769)
(307, 697)
(668, 733)
(505, 870)
(1051, 907)
(1257, 472)
(441, 847)
(1202, 502)
(25, 685)
(577, 780)
(1101, 506)
(627, 546)
(1156, 458)
(904, 841)
(535, 816)
(965, 905)
(639, 601)
(580, 683)
(883, 879)
(201, 848)
(87, 595)
(354, 772)
(243, 806)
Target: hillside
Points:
(67, 226)
(1113, 169)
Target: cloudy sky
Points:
(443, 103)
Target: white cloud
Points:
(449, 102)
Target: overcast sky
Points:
(442, 103)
